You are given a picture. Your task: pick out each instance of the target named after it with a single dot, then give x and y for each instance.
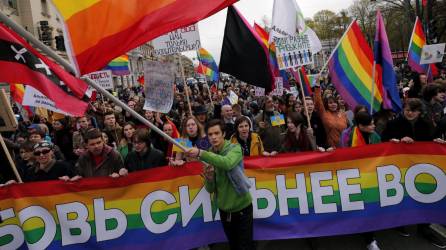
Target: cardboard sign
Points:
(183, 141)
(277, 120)
(183, 39)
(293, 51)
(432, 53)
(159, 86)
(34, 98)
(103, 78)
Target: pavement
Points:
(387, 240)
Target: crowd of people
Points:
(108, 141)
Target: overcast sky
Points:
(212, 28)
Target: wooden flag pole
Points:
(303, 96)
(11, 162)
(186, 88)
(48, 51)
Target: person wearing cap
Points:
(202, 115)
(46, 166)
(36, 135)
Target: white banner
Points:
(103, 78)
(293, 51)
(158, 86)
(34, 98)
(183, 39)
(432, 53)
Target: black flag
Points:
(243, 55)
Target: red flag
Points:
(141, 80)
(19, 62)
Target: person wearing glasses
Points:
(46, 167)
(144, 155)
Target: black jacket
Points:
(150, 159)
(58, 169)
(421, 130)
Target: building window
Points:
(45, 8)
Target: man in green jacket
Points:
(225, 178)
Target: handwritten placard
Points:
(159, 86)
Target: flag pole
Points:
(186, 88)
(303, 96)
(49, 52)
(373, 87)
(337, 45)
(132, 112)
(206, 80)
(11, 162)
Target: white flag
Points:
(288, 20)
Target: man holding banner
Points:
(226, 179)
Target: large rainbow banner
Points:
(294, 195)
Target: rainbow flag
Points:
(386, 77)
(264, 36)
(351, 66)
(313, 79)
(207, 65)
(357, 138)
(119, 66)
(302, 74)
(417, 41)
(100, 30)
(302, 195)
(17, 92)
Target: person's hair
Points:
(80, 117)
(414, 104)
(27, 146)
(142, 135)
(296, 118)
(359, 107)
(329, 98)
(431, 90)
(109, 113)
(200, 129)
(92, 134)
(238, 121)
(237, 107)
(128, 124)
(215, 122)
(363, 118)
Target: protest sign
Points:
(259, 91)
(313, 194)
(8, 121)
(159, 86)
(183, 39)
(293, 51)
(103, 78)
(432, 53)
(34, 98)
(277, 120)
(278, 83)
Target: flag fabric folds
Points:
(417, 41)
(244, 55)
(357, 138)
(19, 62)
(386, 76)
(301, 74)
(351, 67)
(119, 66)
(99, 30)
(207, 65)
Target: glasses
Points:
(43, 152)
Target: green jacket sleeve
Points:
(225, 162)
(209, 185)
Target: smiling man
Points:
(224, 176)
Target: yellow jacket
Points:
(256, 148)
